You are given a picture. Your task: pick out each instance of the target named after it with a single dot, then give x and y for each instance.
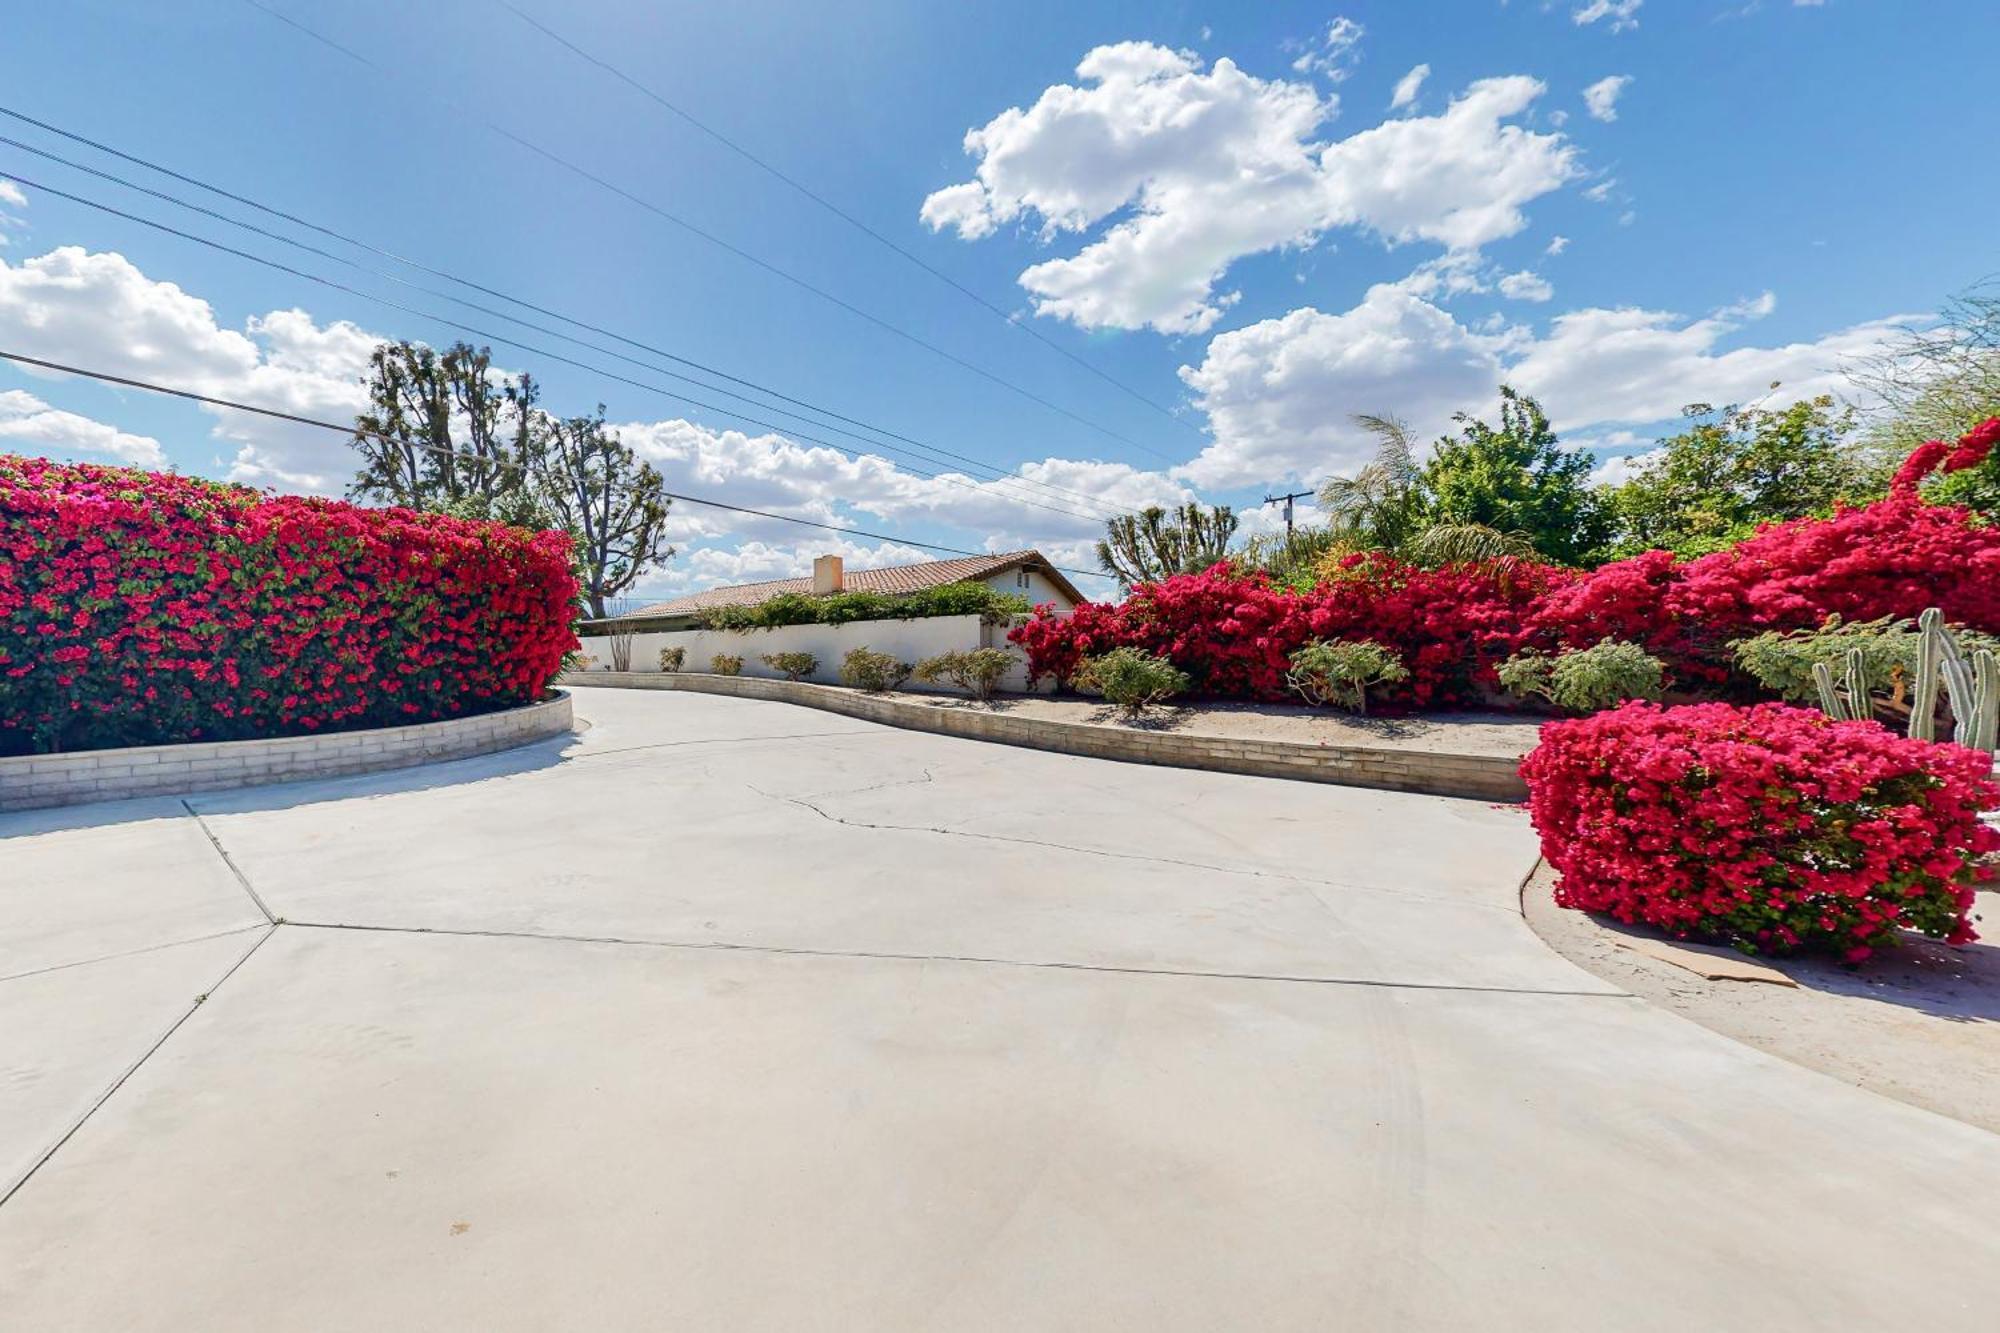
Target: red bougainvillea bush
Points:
(141, 608)
(1235, 633)
(1771, 827)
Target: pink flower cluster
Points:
(1235, 633)
(1770, 827)
(142, 608)
(1970, 450)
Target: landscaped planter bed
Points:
(1486, 772)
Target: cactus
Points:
(1848, 702)
(1971, 687)
(1930, 658)
(1978, 725)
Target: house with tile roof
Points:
(1026, 574)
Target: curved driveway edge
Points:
(1477, 776)
(39, 781)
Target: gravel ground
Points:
(1922, 1026)
(1456, 733)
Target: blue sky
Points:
(1262, 219)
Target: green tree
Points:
(612, 504)
(1381, 505)
(1731, 469)
(1518, 480)
(1149, 545)
(443, 431)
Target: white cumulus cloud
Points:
(1281, 393)
(1201, 167)
(1601, 98)
(1335, 53)
(1620, 14)
(100, 312)
(28, 423)
(1408, 87)
(1526, 286)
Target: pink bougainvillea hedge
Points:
(1771, 827)
(142, 608)
(1232, 632)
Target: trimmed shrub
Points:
(1586, 679)
(726, 664)
(976, 672)
(1770, 827)
(1339, 673)
(1782, 661)
(141, 608)
(793, 666)
(798, 608)
(866, 669)
(673, 659)
(1133, 680)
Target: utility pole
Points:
(1286, 501)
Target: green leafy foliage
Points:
(976, 672)
(797, 608)
(866, 669)
(1783, 662)
(793, 666)
(672, 659)
(1585, 680)
(1133, 679)
(1516, 478)
(1711, 485)
(726, 664)
(1338, 672)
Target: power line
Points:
(928, 448)
(529, 348)
(210, 400)
(836, 210)
(747, 256)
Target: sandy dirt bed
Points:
(1455, 733)
(1921, 1025)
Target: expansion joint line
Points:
(228, 860)
(15, 1187)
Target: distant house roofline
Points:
(886, 579)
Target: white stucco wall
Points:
(909, 640)
(1031, 584)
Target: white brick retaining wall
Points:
(29, 782)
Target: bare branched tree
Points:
(1151, 545)
(456, 430)
(612, 503)
(1935, 380)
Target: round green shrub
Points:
(1338, 672)
(866, 669)
(1133, 679)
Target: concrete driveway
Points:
(733, 1015)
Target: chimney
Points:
(826, 575)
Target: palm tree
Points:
(1377, 506)
(1464, 544)
(1383, 506)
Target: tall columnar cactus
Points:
(1971, 687)
(1846, 701)
(1932, 641)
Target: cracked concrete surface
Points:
(710, 1019)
